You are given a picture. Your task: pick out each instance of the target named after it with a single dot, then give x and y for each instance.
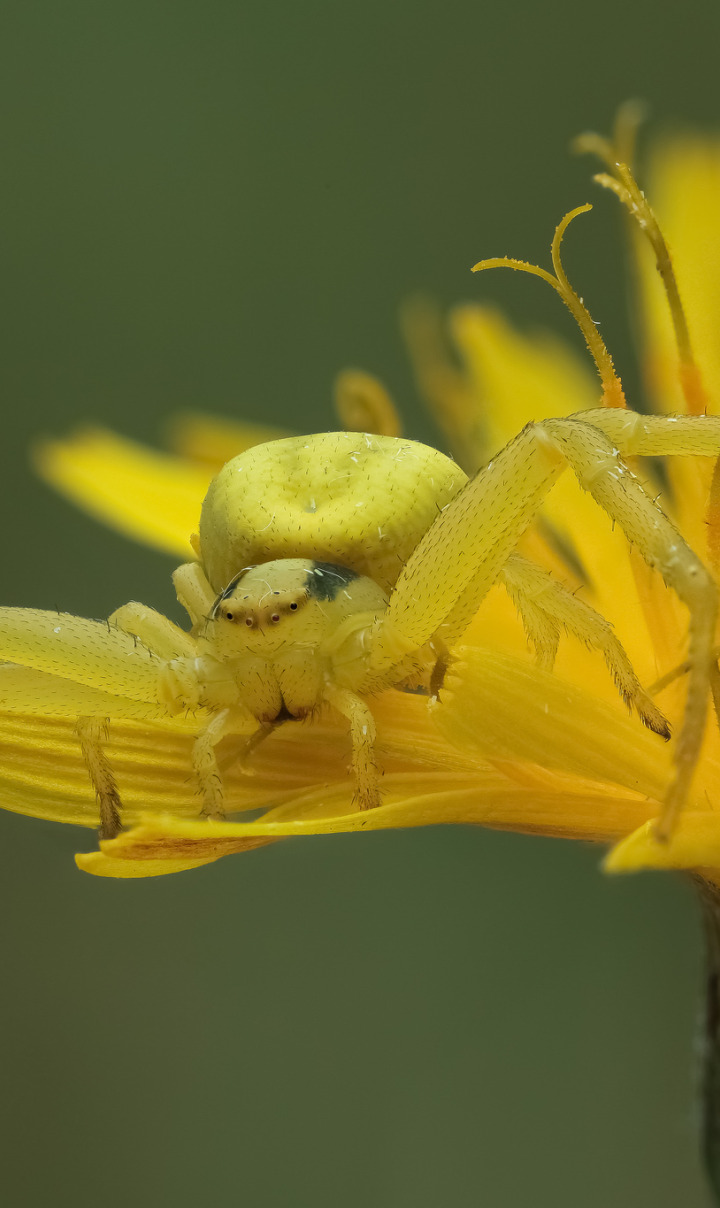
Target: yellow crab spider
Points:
(332, 567)
(407, 522)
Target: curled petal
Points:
(695, 844)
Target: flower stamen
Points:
(619, 179)
(613, 395)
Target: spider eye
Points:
(275, 617)
(229, 616)
(293, 606)
(249, 622)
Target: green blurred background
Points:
(217, 206)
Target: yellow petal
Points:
(490, 801)
(685, 193)
(149, 496)
(558, 756)
(684, 187)
(449, 392)
(210, 441)
(102, 865)
(504, 709)
(42, 772)
(695, 844)
(521, 377)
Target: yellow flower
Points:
(508, 744)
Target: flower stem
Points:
(710, 902)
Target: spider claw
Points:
(651, 717)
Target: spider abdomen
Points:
(346, 498)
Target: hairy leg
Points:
(92, 733)
(194, 592)
(204, 757)
(474, 535)
(363, 733)
(158, 633)
(546, 608)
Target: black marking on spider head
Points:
(227, 592)
(325, 581)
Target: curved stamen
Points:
(617, 155)
(613, 395)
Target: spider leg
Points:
(655, 435)
(241, 755)
(546, 607)
(194, 592)
(363, 733)
(67, 666)
(158, 633)
(94, 653)
(542, 627)
(476, 532)
(204, 758)
(92, 733)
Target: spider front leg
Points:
(60, 665)
(156, 632)
(165, 640)
(363, 734)
(188, 680)
(206, 766)
(194, 592)
(464, 551)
